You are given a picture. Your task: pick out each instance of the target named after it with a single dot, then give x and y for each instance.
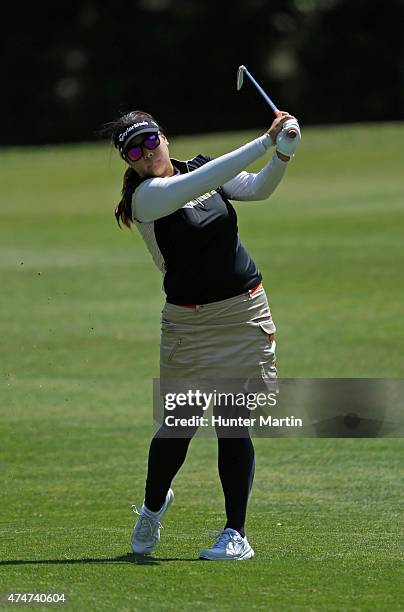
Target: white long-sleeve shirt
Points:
(156, 197)
(249, 186)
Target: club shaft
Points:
(262, 92)
(291, 133)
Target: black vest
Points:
(204, 258)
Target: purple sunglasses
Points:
(150, 141)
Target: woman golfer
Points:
(216, 320)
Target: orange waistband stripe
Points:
(249, 292)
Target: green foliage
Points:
(72, 68)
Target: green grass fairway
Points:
(79, 327)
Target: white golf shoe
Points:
(229, 546)
(146, 532)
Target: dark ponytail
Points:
(123, 211)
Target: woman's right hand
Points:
(277, 125)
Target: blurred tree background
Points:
(69, 68)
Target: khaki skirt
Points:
(232, 338)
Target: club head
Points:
(240, 77)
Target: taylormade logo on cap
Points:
(123, 136)
(130, 128)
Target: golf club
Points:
(240, 79)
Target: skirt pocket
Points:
(176, 350)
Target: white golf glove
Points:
(285, 144)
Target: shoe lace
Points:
(146, 525)
(222, 537)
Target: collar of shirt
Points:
(180, 167)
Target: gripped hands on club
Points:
(276, 127)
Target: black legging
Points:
(236, 470)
